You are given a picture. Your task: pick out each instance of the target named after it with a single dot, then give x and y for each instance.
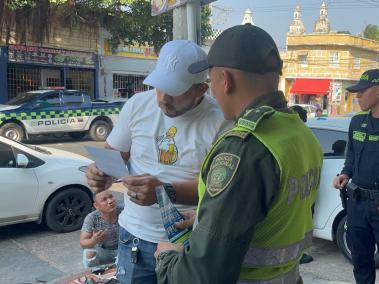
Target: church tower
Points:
(297, 26)
(248, 17)
(322, 25)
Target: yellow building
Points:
(319, 66)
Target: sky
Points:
(275, 16)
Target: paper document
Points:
(171, 215)
(108, 161)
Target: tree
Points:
(371, 32)
(128, 21)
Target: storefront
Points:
(26, 68)
(310, 91)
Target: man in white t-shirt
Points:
(163, 135)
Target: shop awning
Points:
(310, 86)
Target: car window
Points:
(33, 161)
(50, 100)
(7, 158)
(333, 142)
(73, 99)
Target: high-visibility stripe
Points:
(258, 257)
(291, 277)
(58, 113)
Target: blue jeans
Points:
(98, 256)
(143, 272)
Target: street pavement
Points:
(31, 254)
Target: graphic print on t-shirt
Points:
(167, 150)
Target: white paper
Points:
(108, 161)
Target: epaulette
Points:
(252, 117)
(237, 133)
(362, 112)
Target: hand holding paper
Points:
(108, 161)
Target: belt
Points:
(369, 193)
(362, 193)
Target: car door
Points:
(77, 112)
(19, 187)
(47, 114)
(334, 145)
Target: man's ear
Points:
(228, 81)
(203, 87)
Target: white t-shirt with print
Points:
(169, 148)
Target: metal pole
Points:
(192, 20)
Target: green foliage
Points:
(128, 21)
(206, 28)
(136, 25)
(371, 32)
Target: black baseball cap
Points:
(243, 47)
(368, 79)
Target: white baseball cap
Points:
(171, 73)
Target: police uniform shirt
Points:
(223, 226)
(362, 159)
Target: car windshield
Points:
(20, 99)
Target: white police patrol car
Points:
(57, 111)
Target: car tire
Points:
(342, 242)
(77, 135)
(66, 210)
(13, 131)
(100, 130)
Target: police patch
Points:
(222, 171)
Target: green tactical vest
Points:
(279, 240)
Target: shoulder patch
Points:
(223, 168)
(252, 117)
(236, 133)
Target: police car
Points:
(57, 111)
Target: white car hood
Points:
(64, 157)
(8, 107)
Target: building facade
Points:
(123, 70)
(68, 58)
(319, 66)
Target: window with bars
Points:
(303, 60)
(22, 79)
(80, 80)
(334, 59)
(357, 62)
(128, 84)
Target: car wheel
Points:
(343, 245)
(13, 131)
(77, 135)
(100, 130)
(66, 210)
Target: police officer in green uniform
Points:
(259, 180)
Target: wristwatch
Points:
(171, 191)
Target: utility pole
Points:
(187, 21)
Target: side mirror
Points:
(22, 161)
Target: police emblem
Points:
(221, 173)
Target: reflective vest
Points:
(279, 239)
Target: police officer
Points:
(259, 180)
(362, 169)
